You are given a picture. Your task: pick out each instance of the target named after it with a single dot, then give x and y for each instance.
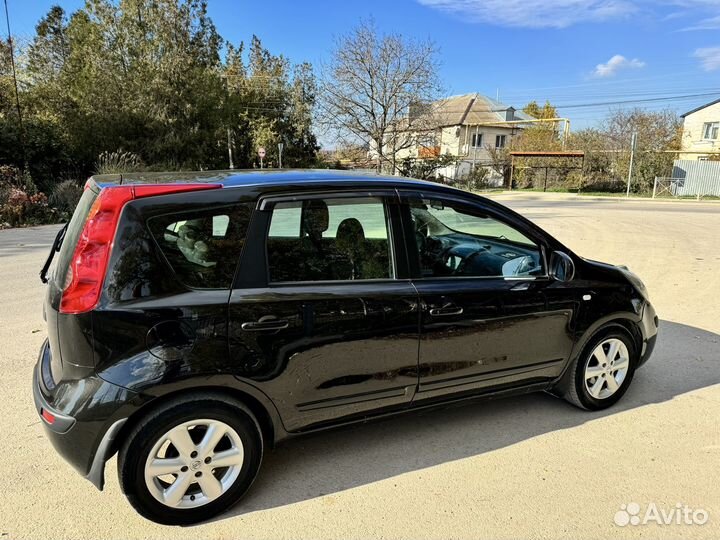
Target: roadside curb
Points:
(574, 197)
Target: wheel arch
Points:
(270, 425)
(625, 322)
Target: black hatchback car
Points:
(195, 319)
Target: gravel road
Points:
(529, 466)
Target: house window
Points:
(710, 130)
(499, 141)
(476, 140)
(427, 140)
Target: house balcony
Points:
(428, 152)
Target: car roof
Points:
(267, 177)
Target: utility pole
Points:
(633, 144)
(475, 146)
(21, 135)
(280, 150)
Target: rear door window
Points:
(329, 240)
(203, 247)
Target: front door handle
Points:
(446, 311)
(524, 286)
(265, 324)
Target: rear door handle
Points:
(446, 311)
(265, 324)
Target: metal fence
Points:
(667, 186)
(690, 178)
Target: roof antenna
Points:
(121, 180)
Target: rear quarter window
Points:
(72, 235)
(203, 247)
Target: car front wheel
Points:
(190, 459)
(603, 372)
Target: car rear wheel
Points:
(603, 372)
(190, 459)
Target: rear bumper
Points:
(62, 423)
(88, 414)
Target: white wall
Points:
(692, 138)
(457, 140)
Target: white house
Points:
(701, 132)
(467, 127)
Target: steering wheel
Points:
(466, 261)
(444, 257)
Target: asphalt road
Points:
(529, 466)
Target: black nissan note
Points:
(196, 319)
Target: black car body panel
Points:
(347, 348)
(306, 355)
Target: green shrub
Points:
(12, 177)
(476, 179)
(65, 196)
(117, 162)
(20, 201)
(23, 209)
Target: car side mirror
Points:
(562, 267)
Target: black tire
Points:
(135, 449)
(577, 393)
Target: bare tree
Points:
(380, 90)
(500, 162)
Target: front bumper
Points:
(649, 328)
(88, 414)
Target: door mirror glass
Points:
(562, 267)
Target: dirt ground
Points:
(530, 466)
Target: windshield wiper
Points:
(55, 248)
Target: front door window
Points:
(454, 242)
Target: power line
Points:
(620, 95)
(633, 101)
(612, 82)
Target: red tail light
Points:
(48, 416)
(87, 269)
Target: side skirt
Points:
(424, 405)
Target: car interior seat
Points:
(350, 244)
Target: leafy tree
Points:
(154, 79)
(537, 136)
(546, 111)
(657, 131)
(268, 106)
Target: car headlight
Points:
(635, 281)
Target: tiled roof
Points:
(471, 109)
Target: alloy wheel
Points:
(607, 368)
(194, 463)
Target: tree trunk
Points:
(378, 144)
